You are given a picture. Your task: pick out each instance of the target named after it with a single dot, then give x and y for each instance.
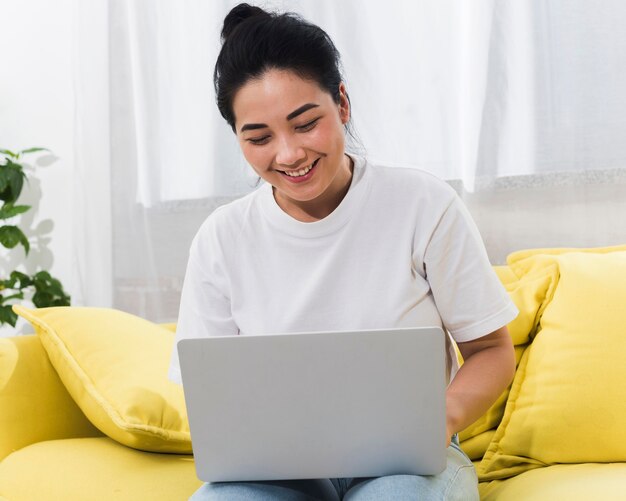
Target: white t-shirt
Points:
(400, 250)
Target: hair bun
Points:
(239, 14)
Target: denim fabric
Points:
(457, 482)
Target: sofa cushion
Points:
(476, 446)
(567, 403)
(30, 389)
(576, 482)
(528, 291)
(114, 365)
(95, 469)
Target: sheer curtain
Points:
(90, 187)
(520, 105)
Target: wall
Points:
(36, 109)
(585, 209)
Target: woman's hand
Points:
(488, 368)
(452, 417)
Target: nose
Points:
(289, 152)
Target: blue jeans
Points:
(457, 482)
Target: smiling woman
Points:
(285, 100)
(297, 148)
(291, 256)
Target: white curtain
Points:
(469, 89)
(162, 56)
(507, 98)
(90, 186)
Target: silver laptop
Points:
(316, 405)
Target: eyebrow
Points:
(302, 109)
(291, 116)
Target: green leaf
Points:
(10, 236)
(4, 179)
(7, 315)
(12, 164)
(48, 291)
(42, 299)
(9, 210)
(56, 290)
(9, 153)
(25, 243)
(19, 295)
(11, 181)
(42, 275)
(64, 301)
(33, 150)
(23, 279)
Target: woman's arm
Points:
(488, 368)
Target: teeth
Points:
(301, 172)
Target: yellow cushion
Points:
(528, 291)
(94, 469)
(114, 365)
(29, 390)
(169, 326)
(476, 446)
(568, 403)
(579, 482)
(521, 255)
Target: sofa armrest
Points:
(34, 404)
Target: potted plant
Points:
(41, 288)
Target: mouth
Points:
(300, 174)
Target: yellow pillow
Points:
(568, 400)
(476, 446)
(528, 292)
(490, 419)
(520, 256)
(114, 365)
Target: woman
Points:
(333, 242)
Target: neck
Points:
(314, 210)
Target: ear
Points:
(344, 104)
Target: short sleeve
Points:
(467, 292)
(205, 304)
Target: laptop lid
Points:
(316, 405)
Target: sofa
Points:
(87, 412)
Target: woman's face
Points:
(291, 133)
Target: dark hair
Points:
(255, 41)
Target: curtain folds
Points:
(498, 96)
(469, 90)
(90, 186)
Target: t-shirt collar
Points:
(331, 223)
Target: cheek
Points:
(327, 137)
(336, 138)
(256, 156)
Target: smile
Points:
(302, 172)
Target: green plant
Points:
(46, 290)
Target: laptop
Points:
(316, 405)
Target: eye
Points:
(308, 126)
(259, 140)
